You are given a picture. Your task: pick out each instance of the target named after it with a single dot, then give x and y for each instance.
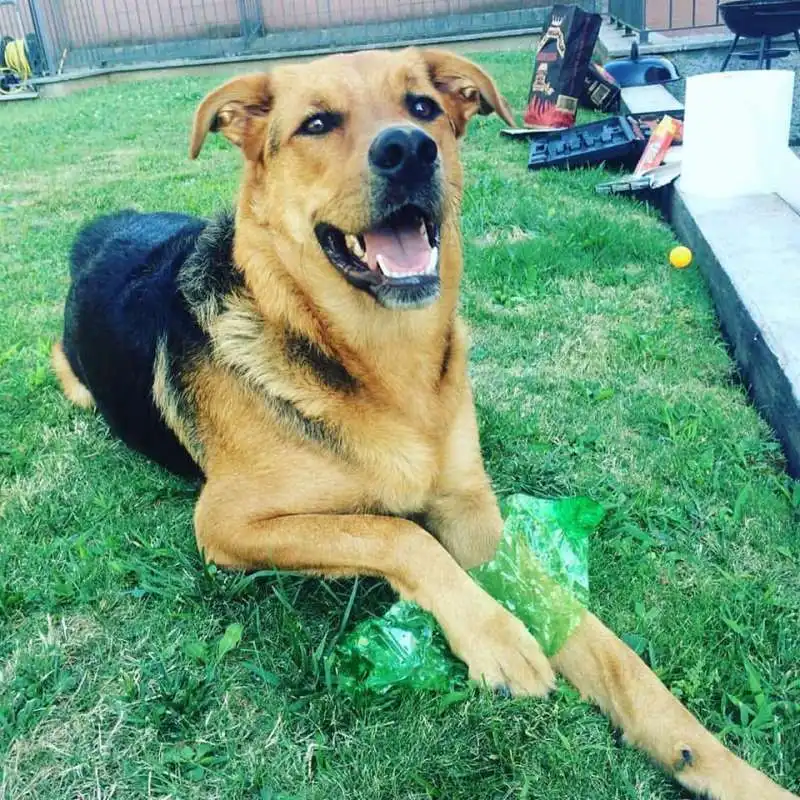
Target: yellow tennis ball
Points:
(680, 257)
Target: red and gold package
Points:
(657, 145)
(559, 68)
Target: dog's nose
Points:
(403, 153)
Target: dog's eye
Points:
(320, 124)
(424, 108)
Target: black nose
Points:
(403, 154)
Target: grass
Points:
(129, 670)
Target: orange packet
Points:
(657, 145)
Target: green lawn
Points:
(598, 369)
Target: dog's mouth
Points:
(396, 261)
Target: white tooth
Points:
(432, 264)
(354, 245)
(429, 270)
(383, 268)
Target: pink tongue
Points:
(404, 250)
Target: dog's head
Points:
(357, 155)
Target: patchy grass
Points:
(598, 369)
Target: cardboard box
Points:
(559, 68)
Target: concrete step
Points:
(749, 251)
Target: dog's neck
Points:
(378, 345)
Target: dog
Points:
(305, 359)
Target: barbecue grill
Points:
(761, 19)
(641, 71)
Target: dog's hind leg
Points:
(73, 389)
(607, 671)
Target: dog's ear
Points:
(238, 110)
(467, 90)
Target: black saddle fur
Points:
(125, 297)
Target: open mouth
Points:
(397, 260)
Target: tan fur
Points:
(608, 672)
(410, 439)
(165, 397)
(73, 389)
(403, 440)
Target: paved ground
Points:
(698, 62)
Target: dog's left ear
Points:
(238, 110)
(467, 90)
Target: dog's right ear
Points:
(238, 110)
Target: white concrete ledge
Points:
(749, 251)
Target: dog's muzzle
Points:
(395, 259)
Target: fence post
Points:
(250, 25)
(39, 29)
(644, 33)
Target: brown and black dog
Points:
(306, 358)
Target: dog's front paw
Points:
(499, 651)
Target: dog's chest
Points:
(398, 457)
(384, 434)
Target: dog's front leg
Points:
(463, 515)
(462, 512)
(607, 671)
(233, 531)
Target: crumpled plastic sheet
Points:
(405, 648)
(540, 573)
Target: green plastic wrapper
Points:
(403, 649)
(540, 573)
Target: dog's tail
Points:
(71, 385)
(606, 670)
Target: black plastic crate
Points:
(612, 139)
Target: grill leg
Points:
(733, 47)
(761, 52)
(769, 58)
(797, 40)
